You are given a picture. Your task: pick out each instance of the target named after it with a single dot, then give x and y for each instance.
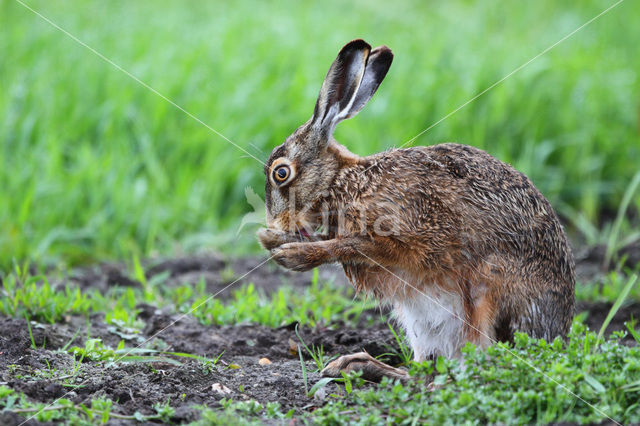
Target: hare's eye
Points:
(281, 173)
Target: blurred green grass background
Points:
(95, 166)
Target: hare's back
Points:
(497, 209)
(477, 166)
(484, 183)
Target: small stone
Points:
(293, 347)
(220, 388)
(264, 361)
(320, 394)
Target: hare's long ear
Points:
(351, 81)
(341, 85)
(378, 64)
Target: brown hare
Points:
(462, 245)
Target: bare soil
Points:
(238, 375)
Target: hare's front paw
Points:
(272, 238)
(298, 256)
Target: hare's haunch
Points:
(462, 245)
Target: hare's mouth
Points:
(304, 233)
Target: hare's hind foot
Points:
(372, 369)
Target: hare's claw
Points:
(297, 256)
(372, 369)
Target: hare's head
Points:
(300, 170)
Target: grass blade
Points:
(612, 242)
(304, 372)
(616, 306)
(137, 358)
(631, 326)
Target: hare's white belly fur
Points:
(432, 320)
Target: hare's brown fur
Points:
(447, 222)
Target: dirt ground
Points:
(136, 386)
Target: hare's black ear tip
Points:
(383, 52)
(357, 44)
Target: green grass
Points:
(97, 411)
(321, 303)
(96, 167)
(499, 385)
